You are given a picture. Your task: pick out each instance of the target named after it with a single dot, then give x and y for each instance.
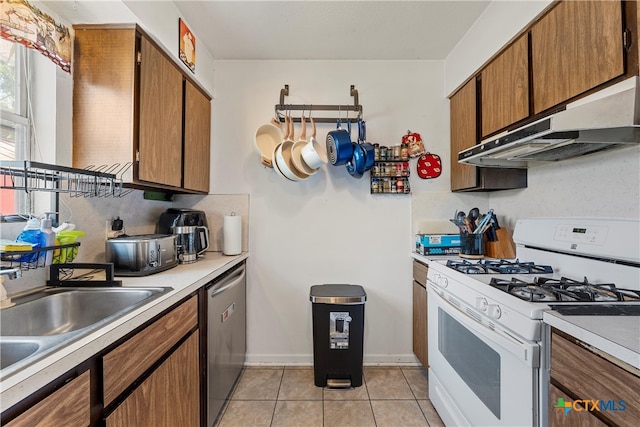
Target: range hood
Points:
(606, 119)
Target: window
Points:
(14, 124)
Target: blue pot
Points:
(339, 146)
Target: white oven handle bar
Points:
(525, 351)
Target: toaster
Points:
(143, 254)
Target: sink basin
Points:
(14, 351)
(61, 312)
(47, 320)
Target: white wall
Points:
(328, 229)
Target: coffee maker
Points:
(191, 228)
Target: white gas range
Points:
(488, 346)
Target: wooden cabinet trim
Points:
(123, 365)
(68, 406)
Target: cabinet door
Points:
(197, 137)
(420, 323)
(127, 362)
(103, 98)
(69, 406)
(160, 120)
(169, 397)
(575, 47)
(505, 88)
(463, 134)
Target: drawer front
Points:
(420, 273)
(592, 377)
(122, 366)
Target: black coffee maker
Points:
(191, 228)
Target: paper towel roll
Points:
(232, 235)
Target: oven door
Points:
(478, 375)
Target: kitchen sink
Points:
(65, 311)
(49, 319)
(14, 351)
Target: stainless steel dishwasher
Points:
(226, 337)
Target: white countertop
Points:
(184, 279)
(618, 336)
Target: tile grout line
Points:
(273, 414)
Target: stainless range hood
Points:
(606, 119)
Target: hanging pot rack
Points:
(283, 108)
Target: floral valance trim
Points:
(26, 24)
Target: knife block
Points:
(503, 248)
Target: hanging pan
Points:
(339, 146)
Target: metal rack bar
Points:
(282, 107)
(31, 176)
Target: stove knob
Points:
(482, 304)
(443, 282)
(494, 311)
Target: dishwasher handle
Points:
(228, 282)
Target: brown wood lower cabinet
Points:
(68, 406)
(420, 313)
(168, 397)
(581, 377)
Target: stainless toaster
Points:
(143, 254)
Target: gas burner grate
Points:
(587, 291)
(529, 291)
(499, 266)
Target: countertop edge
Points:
(603, 344)
(22, 384)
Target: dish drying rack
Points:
(93, 181)
(281, 108)
(36, 258)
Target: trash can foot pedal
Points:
(338, 383)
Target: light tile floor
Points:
(287, 396)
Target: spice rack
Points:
(390, 172)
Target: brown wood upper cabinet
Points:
(464, 134)
(505, 88)
(132, 104)
(575, 47)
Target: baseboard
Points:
(307, 360)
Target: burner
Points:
(533, 293)
(468, 267)
(500, 266)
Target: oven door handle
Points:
(527, 352)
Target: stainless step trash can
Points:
(338, 334)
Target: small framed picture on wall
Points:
(187, 45)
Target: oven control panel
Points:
(591, 234)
